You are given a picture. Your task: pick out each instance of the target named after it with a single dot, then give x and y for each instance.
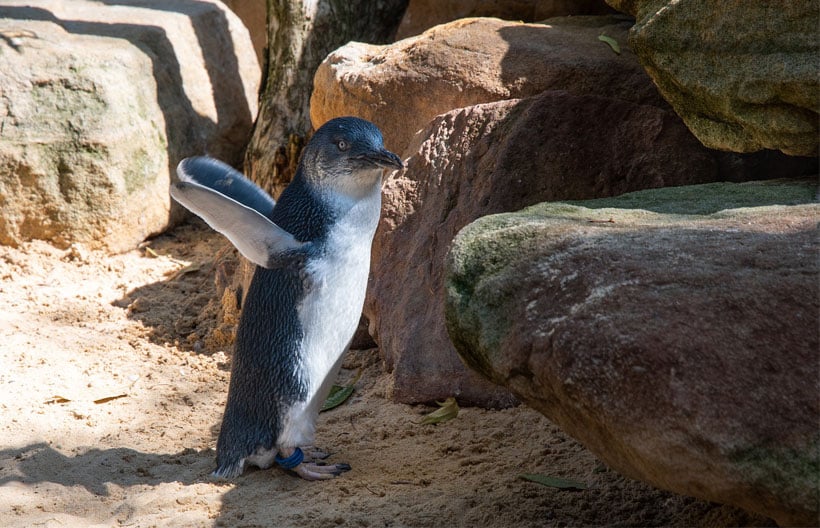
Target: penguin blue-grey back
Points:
(312, 250)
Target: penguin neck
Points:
(355, 208)
(342, 189)
(343, 186)
(309, 211)
(301, 212)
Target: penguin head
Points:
(347, 155)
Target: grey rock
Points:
(99, 102)
(742, 75)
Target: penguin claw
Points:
(313, 453)
(313, 471)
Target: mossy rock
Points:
(674, 332)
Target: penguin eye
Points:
(343, 145)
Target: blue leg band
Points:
(292, 461)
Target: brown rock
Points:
(253, 14)
(421, 15)
(626, 6)
(99, 102)
(673, 332)
(501, 157)
(402, 86)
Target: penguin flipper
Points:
(257, 238)
(224, 179)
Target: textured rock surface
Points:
(402, 86)
(676, 338)
(421, 15)
(253, 14)
(98, 103)
(501, 157)
(767, 99)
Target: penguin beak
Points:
(383, 158)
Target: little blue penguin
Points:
(312, 256)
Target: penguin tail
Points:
(228, 471)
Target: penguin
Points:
(312, 256)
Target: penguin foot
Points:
(314, 471)
(309, 470)
(313, 453)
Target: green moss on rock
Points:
(550, 301)
(710, 198)
(790, 472)
(481, 266)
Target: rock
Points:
(421, 15)
(768, 99)
(253, 14)
(673, 332)
(500, 157)
(300, 34)
(462, 164)
(98, 104)
(402, 86)
(626, 6)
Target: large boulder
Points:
(402, 86)
(673, 332)
(769, 97)
(98, 103)
(421, 15)
(253, 14)
(500, 157)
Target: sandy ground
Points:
(111, 403)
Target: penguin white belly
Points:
(329, 315)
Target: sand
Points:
(112, 398)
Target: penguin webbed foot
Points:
(313, 453)
(320, 471)
(305, 464)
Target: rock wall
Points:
(492, 116)
(98, 104)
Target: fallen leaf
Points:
(109, 398)
(338, 394)
(612, 43)
(447, 411)
(57, 399)
(554, 482)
